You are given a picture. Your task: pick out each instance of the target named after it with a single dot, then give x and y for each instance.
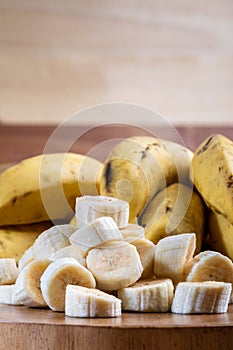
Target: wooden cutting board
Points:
(25, 328)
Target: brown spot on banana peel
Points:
(230, 181)
(108, 174)
(206, 145)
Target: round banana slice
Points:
(146, 251)
(8, 271)
(114, 265)
(89, 208)
(71, 251)
(7, 295)
(58, 275)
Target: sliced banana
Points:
(146, 251)
(99, 231)
(26, 258)
(89, 302)
(89, 208)
(201, 297)
(51, 240)
(71, 251)
(27, 285)
(132, 232)
(7, 295)
(172, 254)
(58, 275)
(8, 271)
(209, 266)
(114, 265)
(149, 295)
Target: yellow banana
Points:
(14, 240)
(177, 209)
(45, 187)
(140, 166)
(212, 174)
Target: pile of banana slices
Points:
(103, 264)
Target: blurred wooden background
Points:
(59, 56)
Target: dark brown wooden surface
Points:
(19, 142)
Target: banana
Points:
(26, 258)
(99, 231)
(71, 251)
(176, 209)
(114, 265)
(58, 275)
(51, 240)
(89, 302)
(89, 208)
(212, 174)
(45, 187)
(7, 295)
(27, 285)
(209, 266)
(73, 221)
(8, 271)
(14, 240)
(146, 251)
(172, 254)
(201, 297)
(139, 167)
(221, 234)
(149, 295)
(132, 232)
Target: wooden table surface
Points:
(23, 328)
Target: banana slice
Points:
(172, 254)
(149, 295)
(51, 240)
(58, 275)
(89, 208)
(146, 251)
(71, 251)
(7, 295)
(99, 231)
(27, 286)
(8, 271)
(132, 232)
(201, 297)
(89, 302)
(209, 266)
(26, 258)
(115, 265)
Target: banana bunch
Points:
(39, 190)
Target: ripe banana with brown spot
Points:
(139, 167)
(45, 187)
(212, 174)
(89, 302)
(149, 295)
(175, 210)
(201, 297)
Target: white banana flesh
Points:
(26, 258)
(114, 265)
(99, 231)
(89, 302)
(172, 254)
(149, 295)
(210, 266)
(132, 232)
(58, 275)
(8, 271)
(7, 295)
(71, 251)
(89, 208)
(51, 240)
(27, 285)
(201, 297)
(146, 251)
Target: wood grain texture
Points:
(25, 329)
(57, 57)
